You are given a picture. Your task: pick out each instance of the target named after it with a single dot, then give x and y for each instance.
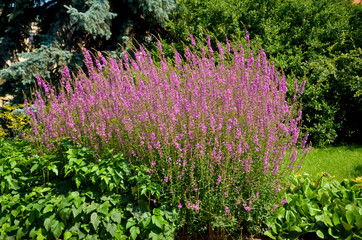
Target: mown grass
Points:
(340, 162)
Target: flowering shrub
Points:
(215, 127)
(12, 121)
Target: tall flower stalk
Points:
(216, 127)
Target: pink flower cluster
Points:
(212, 121)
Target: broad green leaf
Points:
(120, 235)
(92, 237)
(15, 212)
(43, 190)
(276, 228)
(320, 234)
(49, 222)
(157, 211)
(103, 208)
(116, 216)
(111, 228)
(32, 233)
(290, 217)
(335, 219)
(268, 233)
(39, 234)
(77, 181)
(134, 232)
(78, 201)
(280, 212)
(350, 215)
(20, 233)
(54, 169)
(48, 208)
(67, 235)
(352, 207)
(346, 226)
(313, 211)
(130, 222)
(91, 208)
(325, 219)
(358, 222)
(94, 219)
(325, 198)
(296, 229)
(146, 219)
(158, 221)
(64, 214)
(269, 221)
(34, 167)
(72, 195)
(57, 229)
(333, 233)
(76, 211)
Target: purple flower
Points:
(192, 40)
(195, 207)
(165, 180)
(246, 207)
(227, 210)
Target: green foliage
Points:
(112, 200)
(157, 11)
(316, 40)
(330, 209)
(45, 60)
(98, 12)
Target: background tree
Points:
(318, 40)
(63, 28)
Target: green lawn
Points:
(340, 162)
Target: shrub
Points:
(48, 198)
(319, 40)
(13, 120)
(327, 208)
(215, 128)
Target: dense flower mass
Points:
(216, 127)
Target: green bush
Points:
(77, 196)
(318, 40)
(330, 209)
(13, 121)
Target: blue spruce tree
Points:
(40, 36)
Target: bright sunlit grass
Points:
(340, 162)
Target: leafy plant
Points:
(15, 157)
(330, 209)
(53, 202)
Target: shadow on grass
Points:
(357, 171)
